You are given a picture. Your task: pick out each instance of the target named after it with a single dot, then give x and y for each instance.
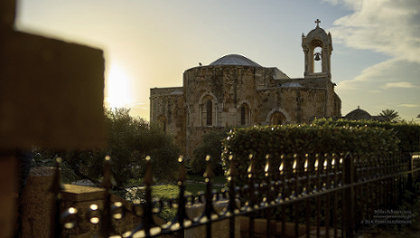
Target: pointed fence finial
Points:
(281, 167)
(295, 163)
(107, 180)
(182, 171)
(57, 185)
(208, 174)
(251, 167)
(232, 168)
(267, 165)
(148, 176)
(106, 226)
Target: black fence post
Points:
(56, 188)
(148, 204)
(269, 193)
(208, 210)
(348, 202)
(181, 200)
(410, 180)
(106, 223)
(232, 196)
(251, 193)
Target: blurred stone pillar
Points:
(51, 96)
(37, 203)
(8, 193)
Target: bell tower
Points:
(317, 46)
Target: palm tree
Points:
(390, 115)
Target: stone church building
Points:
(235, 91)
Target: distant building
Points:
(235, 91)
(360, 114)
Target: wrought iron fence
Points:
(329, 195)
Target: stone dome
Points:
(358, 114)
(234, 59)
(318, 31)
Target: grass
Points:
(166, 191)
(193, 186)
(196, 184)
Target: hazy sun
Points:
(117, 87)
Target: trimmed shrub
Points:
(288, 139)
(407, 133)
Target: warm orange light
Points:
(118, 87)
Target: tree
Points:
(211, 145)
(390, 115)
(418, 116)
(129, 141)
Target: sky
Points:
(150, 43)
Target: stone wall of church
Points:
(230, 87)
(218, 97)
(167, 108)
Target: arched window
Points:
(208, 110)
(209, 113)
(277, 118)
(244, 109)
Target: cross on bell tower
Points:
(317, 22)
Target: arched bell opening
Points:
(318, 59)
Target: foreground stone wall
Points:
(38, 202)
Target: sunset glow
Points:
(118, 90)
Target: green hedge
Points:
(287, 139)
(407, 133)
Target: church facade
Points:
(234, 91)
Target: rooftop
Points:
(234, 59)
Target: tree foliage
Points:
(211, 145)
(390, 115)
(129, 141)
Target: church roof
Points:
(317, 31)
(358, 114)
(234, 59)
(291, 85)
